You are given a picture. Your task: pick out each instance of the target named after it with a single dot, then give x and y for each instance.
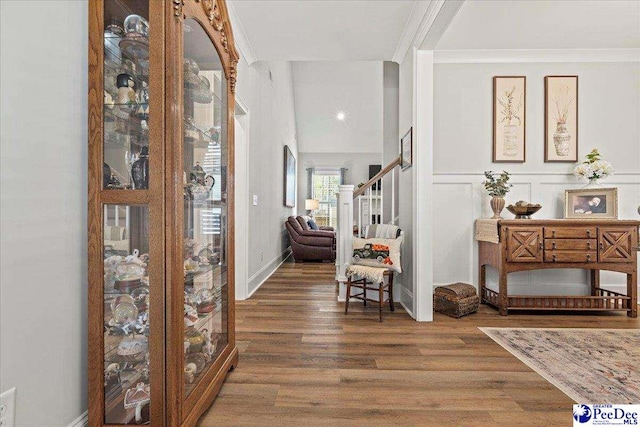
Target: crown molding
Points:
(426, 24)
(418, 11)
(535, 55)
(240, 36)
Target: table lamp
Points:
(311, 205)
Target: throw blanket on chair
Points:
(382, 231)
(374, 274)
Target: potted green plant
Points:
(497, 185)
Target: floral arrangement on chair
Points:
(594, 167)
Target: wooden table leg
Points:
(503, 293)
(391, 306)
(632, 291)
(482, 281)
(381, 298)
(595, 281)
(348, 296)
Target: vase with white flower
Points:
(594, 168)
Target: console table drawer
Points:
(570, 232)
(571, 244)
(570, 256)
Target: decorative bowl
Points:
(523, 211)
(125, 312)
(132, 347)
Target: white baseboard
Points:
(265, 272)
(81, 421)
(407, 309)
(406, 295)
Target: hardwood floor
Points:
(304, 363)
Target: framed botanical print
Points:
(509, 121)
(591, 203)
(289, 178)
(561, 119)
(406, 149)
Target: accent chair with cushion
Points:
(375, 258)
(308, 244)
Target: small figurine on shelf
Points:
(112, 380)
(126, 92)
(140, 170)
(108, 100)
(142, 98)
(209, 348)
(190, 373)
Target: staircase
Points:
(368, 204)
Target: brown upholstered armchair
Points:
(310, 244)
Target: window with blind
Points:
(325, 186)
(210, 218)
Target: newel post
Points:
(344, 235)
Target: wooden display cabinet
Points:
(161, 251)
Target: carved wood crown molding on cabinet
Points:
(216, 11)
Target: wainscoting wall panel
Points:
(460, 199)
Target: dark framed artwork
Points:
(509, 119)
(289, 178)
(561, 119)
(406, 149)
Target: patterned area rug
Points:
(588, 365)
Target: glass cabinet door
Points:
(204, 162)
(128, 281)
(126, 314)
(126, 95)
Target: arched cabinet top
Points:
(214, 18)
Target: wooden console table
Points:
(524, 245)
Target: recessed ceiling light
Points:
(341, 115)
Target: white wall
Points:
(532, 24)
(609, 109)
(391, 142)
(267, 90)
(324, 88)
(405, 185)
(43, 164)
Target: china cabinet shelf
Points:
(203, 321)
(202, 270)
(161, 103)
